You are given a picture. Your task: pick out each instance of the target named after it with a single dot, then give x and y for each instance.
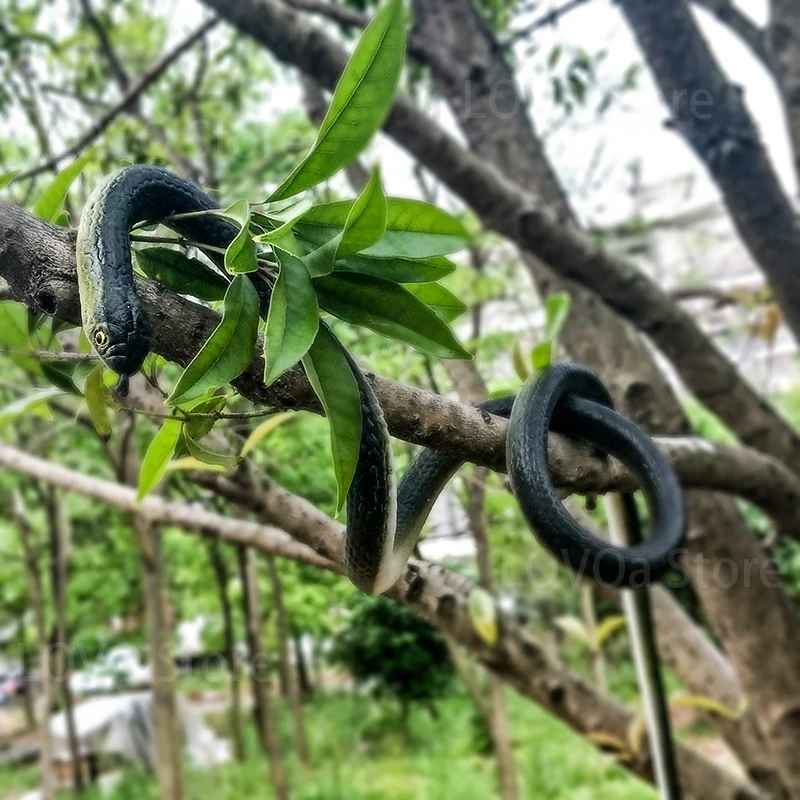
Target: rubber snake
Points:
(384, 520)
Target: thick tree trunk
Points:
(303, 675)
(168, 732)
(34, 580)
(287, 667)
(221, 574)
(598, 338)
(709, 111)
(259, 671)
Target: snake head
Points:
(121, 336)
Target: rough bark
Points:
(259, 672)
(220, 569)
(38, 261)
(508, 209)
(287, 667)
(441, 597)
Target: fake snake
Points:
(384, 520)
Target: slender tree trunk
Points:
(589, 614)
(466, 671)
(59, 561)
(259, 672)
(37, 604)
(472, 390)
(303, 676)
(221, 573)
(169, 739)
(25, 668)
(166, 722)
(287, 668)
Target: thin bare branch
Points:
(125, 102)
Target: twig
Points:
(156, 509)
(172, 240)
(51, 355)
(550, 18)
(127, 100)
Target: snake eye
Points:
(100, 338)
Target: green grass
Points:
(360, 752)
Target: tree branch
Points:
(783, 43)
(38, 262)
(710, 113)
(441, 597)
(125, 102)
(433, 592)
(157, 510)
(726, 12)
(511, 211)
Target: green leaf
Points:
(27, 405)
(7, 177)
(189, 463)
(61, 374)
(704, 703)
(293, 318)
(608, 627)
(541, 356)
(366, 221)
(181, 274)
(363, 226)
(207, 456)
(520, 362)
(51, 201)
(283, 238)
(331, 377)
(94, 391)
(482, 611)
(360, 103)
(414, 229)
(557, 308)
(388, 309)
(399, 270)
(240, 257)
(320, 262)
(156, 459)
(230, 348)
(574, 628)
(198, 427)
(443, 302)
(14, 336)
(263, 430)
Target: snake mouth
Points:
(125, 358)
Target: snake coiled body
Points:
(384, 520)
